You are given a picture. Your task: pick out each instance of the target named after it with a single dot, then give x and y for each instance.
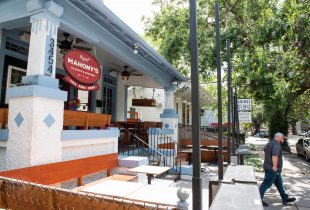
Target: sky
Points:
(131, 12)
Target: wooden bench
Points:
(54, 173)
(118, 177)
(3, 117)
(86, 119)
(71, 118)
(166, 146)
(206, 155)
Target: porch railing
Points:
(160, 149)
(71, 118)
(3, 117)
(86, 119)
(185, 133)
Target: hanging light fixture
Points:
(125, 75)
(135, 48)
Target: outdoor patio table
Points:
(239, 173)
(190, 146)
(214, 148)
(114, 188)
(188, 153)
(244, 146)
(236, 197)
(241, 153)
(150, 171)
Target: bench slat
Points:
(61, 171)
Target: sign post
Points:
(245, 117)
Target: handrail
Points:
(154, 149)
(159, 149)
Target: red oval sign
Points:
(82, 67)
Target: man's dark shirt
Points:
(272, 148)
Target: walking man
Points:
(273, 168)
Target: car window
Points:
(306, 143)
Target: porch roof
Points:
(93, 22)
(184, 93)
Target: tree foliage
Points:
(270, 47)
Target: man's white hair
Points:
(279, 135)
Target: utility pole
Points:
(237, 117)
(196, 180)
(228, 100)
(219, 91)
(233, 121)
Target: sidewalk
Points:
(296, 181)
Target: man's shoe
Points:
(289, 200)
(264, 203)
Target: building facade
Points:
(35, 35)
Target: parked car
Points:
(303, 148)
(302, 133)
(263, 134)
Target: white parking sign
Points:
(244, 104)
(245, 117)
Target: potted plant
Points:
(74, 103)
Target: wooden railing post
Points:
(109, 172)
(80, 181)
(3, 195)
(86, 123)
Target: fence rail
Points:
(19, 195)
(185, 132)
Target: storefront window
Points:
(14, 77)
(108, 95)
(83, 97)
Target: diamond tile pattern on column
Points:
(19, 119)
(49, 120)
(166, 125)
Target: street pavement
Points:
(296, 176)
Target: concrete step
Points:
(132, 161)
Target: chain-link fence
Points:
(21, 195)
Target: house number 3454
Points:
(49, 56)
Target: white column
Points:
(125, 101)
(169, 117)
(43, 35)
(169, 98)
(186, 114)
(36, 108)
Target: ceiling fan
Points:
(66, 44)
(126, 74)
